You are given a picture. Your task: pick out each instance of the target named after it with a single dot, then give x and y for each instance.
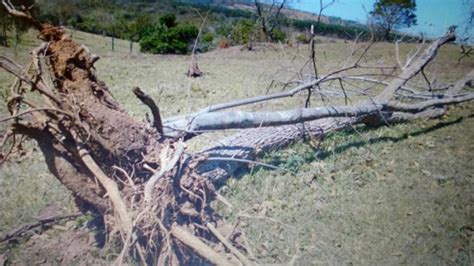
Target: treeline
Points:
(168, 26)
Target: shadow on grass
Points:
(357, 144)
(295, 161)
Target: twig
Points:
(397, 53)
(221, 198)
(418, 107)
(16, 70)
(6, 136)
(426, 79)
(194, 70)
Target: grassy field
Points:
(399, 194)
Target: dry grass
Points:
(392, 195)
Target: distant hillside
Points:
(232, 22)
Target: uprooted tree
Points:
(153, 194)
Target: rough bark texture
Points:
(251, 143)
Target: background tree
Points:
(7, 24)
(167, 36)
(268, 16)
(393, 14)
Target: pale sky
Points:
(434, 16)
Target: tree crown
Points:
(393, 14)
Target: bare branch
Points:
(35, 110)
(148, 101)
(17, 71)
(239, 119)
(414, 68)
(22, 229)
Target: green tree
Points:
(167, 36)
(393, 14)
(168, 20)
(243, 32)
(269, 16)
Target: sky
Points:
(434, 16)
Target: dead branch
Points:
(16, 13)
(250, 143)
(467, 80)
(415, 67)
(148, 101)
(240, 119)
(42, 222)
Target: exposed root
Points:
(155, 207)
(201, 248)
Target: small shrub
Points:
(278, 35)
(208, 37)
(224, 29)
(243, 31)
(302, 39)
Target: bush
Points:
(208, 37)
(224, 29)
(302, 39)
(278, 35)
(164, 40)
(243, 31)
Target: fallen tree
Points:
(154, 195)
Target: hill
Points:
(229, 23)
